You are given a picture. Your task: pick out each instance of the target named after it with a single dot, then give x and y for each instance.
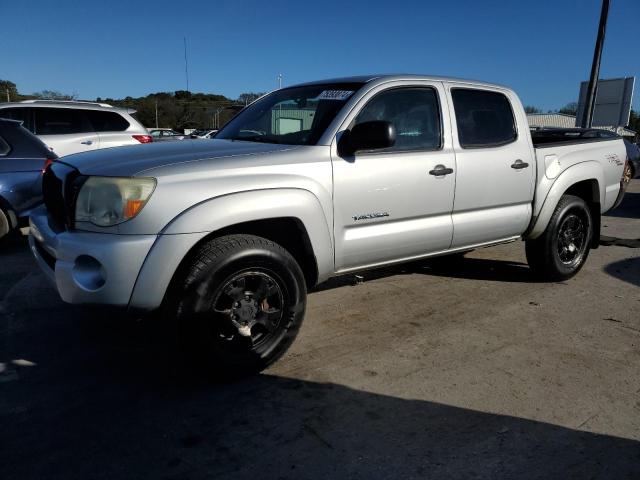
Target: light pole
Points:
(279, 80)
(592, 89)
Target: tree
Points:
(182, 94)
(54, 95)
(247, 98)
(8, 91)
(532, 109)
(570, 108)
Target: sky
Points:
(113, 49)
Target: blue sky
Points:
(116, 48)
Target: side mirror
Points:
(373, 135)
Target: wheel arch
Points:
(292, 218)
(584, 180)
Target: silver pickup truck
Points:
(226, 236)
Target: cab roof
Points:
(363, 79)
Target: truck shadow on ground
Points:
(106, 398)
(627, 270)
(629, 208)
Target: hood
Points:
(131, 160)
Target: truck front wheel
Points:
(239, 301)
(561, 251)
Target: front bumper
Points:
(85, 267)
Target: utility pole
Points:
(156, 113)
(279, 80)
(186, 66)
(592, 89)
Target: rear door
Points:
(65, 130)
(495, 165)
(387, 204)
(111, 128)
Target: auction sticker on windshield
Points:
(335, 94)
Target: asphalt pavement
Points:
(440, 369)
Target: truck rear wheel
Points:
(561, 251)
(239, 302)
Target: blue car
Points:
(23, 158)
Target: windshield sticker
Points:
(335, 94)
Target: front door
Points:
(396, 203)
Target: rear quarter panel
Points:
(20, 183)
(561, 166)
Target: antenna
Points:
(186, 65)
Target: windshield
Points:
(292, 116)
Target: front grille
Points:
(60, 186)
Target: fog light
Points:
(89, 273)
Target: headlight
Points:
(107, 201)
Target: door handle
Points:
(87, 142)
(440, 171)
(519, 164)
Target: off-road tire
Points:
(206, 335)
(548, 255)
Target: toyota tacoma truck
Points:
(227, 236)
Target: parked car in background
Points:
(23, 158)
(69, 127)
(203, 134)
(633, 154)
(165, 134)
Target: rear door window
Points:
(484, 118)
(107, 121)
(61, 121)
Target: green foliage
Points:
(247, 98)
(532, 109)
(53, 95)
(180, 109)
(8, 89)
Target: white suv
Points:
(72, 127)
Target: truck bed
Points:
(545, 137)
(556, 154)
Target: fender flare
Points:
(590, 170)
(188, 228)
